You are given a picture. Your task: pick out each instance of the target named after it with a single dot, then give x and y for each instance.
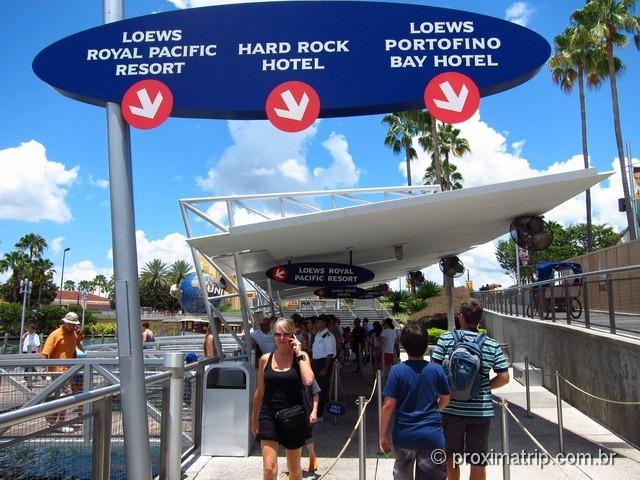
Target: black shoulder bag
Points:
(294, 417)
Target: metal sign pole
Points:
(125, 266)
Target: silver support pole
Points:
(172, 451)
(559, 408)
(527, 385)
(336, 380)
(87, 386)
(362, 450)
(612, 306)
(448, 285)
(24, 308)
(198, 402)
(379, 388)
(101, 449)
(244, 306)
(125, 267)
(506, 473)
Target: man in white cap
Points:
(62, 344)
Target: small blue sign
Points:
(335, 408)
(320, 274)
(360, 57)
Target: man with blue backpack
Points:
(468, 356)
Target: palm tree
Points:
(154, 274)
(608, 22)
(85, 285)
(32, 242)
(577, 58)
(403, 127)
(69, 285)
(179, 271)
(451, 143)
(100, 282)
(17, 262)
(40, 271)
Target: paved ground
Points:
(582, 436)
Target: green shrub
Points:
(434, 335)
(428, 290)
(103, 329)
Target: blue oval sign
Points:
(360, 57)
(335, 408)
(319, 274)
(346, 292)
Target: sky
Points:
(53, 152)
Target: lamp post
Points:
(25, 290)
(64, 254)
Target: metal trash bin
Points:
(226, 415)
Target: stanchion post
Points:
(527, 385)
(336, 380)
(174, 361)
(506, 473)
(379, 388)
(362, 450)
(559, 408)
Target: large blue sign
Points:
(360, 57)
(320, 274)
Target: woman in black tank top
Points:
(281, 377)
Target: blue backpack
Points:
(465, 366)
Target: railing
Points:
(604, 300)
(79, 435)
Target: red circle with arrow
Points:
(452, 97)
(293, 106)
(146, 104)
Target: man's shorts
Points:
(418, 465)
(389, 358)
(468, 435)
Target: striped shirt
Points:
(492, 358)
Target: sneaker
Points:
(66, 429)
(313, 465)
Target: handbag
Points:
(291, 418)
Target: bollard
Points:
(101, 439)
(171, 451)
(379, 387)
(559, 407)
(362, 451)
(527, 385)
(506, 473)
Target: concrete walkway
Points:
(582, 435)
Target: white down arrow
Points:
(149, 108)
(454, 102)
(295, 110)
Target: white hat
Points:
(71, 317)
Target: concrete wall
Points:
(602, 364)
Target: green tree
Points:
(10, 315)
(34, 243)
(428, 290)
(403, 127)
(578, 58)
(609, 21)
(100, 282)
(40, 271)
(451, 144)
(398, 300)
(85, 285)
(179, 271)
(414, 305)
(69, 285)
(48, 318)
(16, 262)
(567, 243)
(155, 274)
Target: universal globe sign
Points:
(293, 62)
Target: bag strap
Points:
(480, 339)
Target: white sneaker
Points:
(66, 429)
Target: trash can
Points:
(226, 416)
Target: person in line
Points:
(314, 391)
(416, 391)
(263, 338)
(323, 351)
(147, 334)
(61, 344)
(357, 340)
(279, 416)
(390, 339)
(30, 342)
(209, 346)
(467, 423)
(376, 347)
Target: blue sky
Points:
(53, 160)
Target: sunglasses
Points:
(283, 335)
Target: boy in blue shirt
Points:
(416, 391)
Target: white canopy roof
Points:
(427, 226)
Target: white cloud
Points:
(84, 270)
(100, 182)
(168, 249)
(519, 12)
(263, 159)
(33, 188)
(56, 245)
